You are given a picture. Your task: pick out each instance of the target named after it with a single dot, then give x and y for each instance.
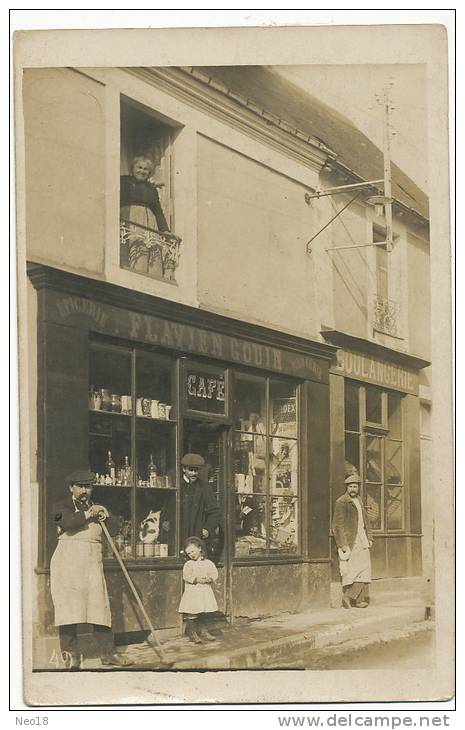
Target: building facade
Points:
(220, 315)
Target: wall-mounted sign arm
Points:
(341, 189)
(307, 247)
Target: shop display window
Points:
(265, 465)
(132, 446)
(136, 440)
(374, 431)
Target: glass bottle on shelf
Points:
(111, 468)
(126, 472)
(152, 473)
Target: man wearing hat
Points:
(77, 582)
(200, 515)
(353, 539)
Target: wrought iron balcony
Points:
(386, 315)
(149, 252)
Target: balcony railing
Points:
(150, 252)
(386, 315)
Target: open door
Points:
(209, 439)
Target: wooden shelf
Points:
(110, 413)
(158, 489)
(113, 486)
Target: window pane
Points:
(394, 462)
(249, 463)
(118, 502)
(352, 455)
(351, 407)
(155, 454)
(249, 404)
(395, 416)
(284, 524)
(109, 379)
(373, 459)
(283, 409)
(373, 505)
(373, 405)
(250, 532)
(394, 507)
(155, 522)
(110, 448)
(154, 390)
(283, 466)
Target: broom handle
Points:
(131, 586)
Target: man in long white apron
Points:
(353, 538)
(77, 581)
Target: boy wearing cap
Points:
(353, 538)
(77, 581)
(200, 513)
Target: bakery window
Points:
(148, 242)
(265, 466)
(374, 449)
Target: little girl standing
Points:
(198, 597)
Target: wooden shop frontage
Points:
(375, 432)
(127, 384)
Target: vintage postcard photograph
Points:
(233, 266)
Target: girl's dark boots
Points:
(192, 631)
(204, 632)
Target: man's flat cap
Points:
(352, 479)
(81, 476)
(192, 460)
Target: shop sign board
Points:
(147, 328)
(204, 391)
(376, 371)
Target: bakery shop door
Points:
(209, 439)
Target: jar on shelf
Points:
(115, 403)
(106, 399)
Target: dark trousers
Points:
(69, 640)
(357, 592)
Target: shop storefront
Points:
(375, 432)
(129, 383)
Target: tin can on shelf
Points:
(154, 409)
(168, 412)
(126, 404)
(144, 407)
(140, 549)
(149, 550)
(162, 410)
(163, 550)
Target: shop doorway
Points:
(210, 440)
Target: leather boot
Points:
(204, 632)
(191, 631)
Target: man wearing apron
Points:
(353, 539)
(77, 582)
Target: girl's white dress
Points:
(198, 597)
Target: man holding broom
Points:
(77, 581)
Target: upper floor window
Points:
(148, 244)
(385, 310)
